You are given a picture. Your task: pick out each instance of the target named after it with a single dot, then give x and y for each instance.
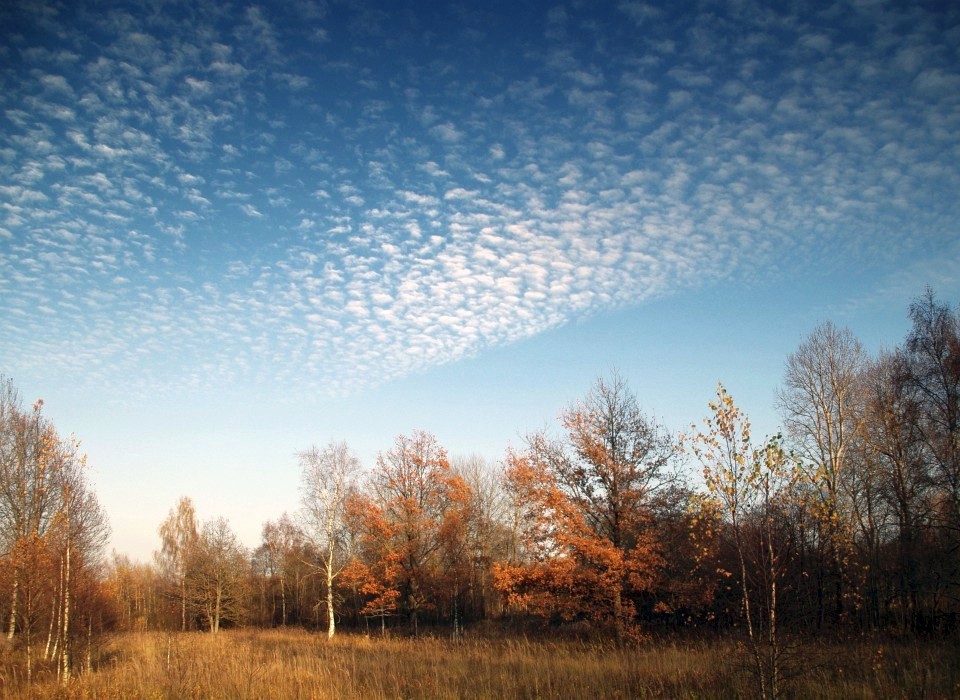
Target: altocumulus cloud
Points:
(329, 197)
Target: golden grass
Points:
(297, 664)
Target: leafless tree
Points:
(217, 572)
(822, 407)
(488, 531)
(178, 534)
(280, 539)
(328, 476)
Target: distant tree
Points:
(178, 535)
(486, 530)
(280, 542)
(822, 406)
(894, 443)
(328, 477)
(376, 575)
(217, 576)
(933, 359)
(137, 593)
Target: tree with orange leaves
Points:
(419, 502)
(594, 496)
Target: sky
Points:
(229, 231)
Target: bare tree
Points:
(487, 532)
(933, 357)
(280, 538)
(217, 571)
(894, 444)
(179, 535)
(328, 476)
(821, 403)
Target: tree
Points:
(178, 535)
(52, 529)
(893, 439)
(419, 499)
(597, 502)
(29, 487)
(821, 402)
(328, 477)
(81, 531)
(217, 574)
(487, 536)
(137, 592)
(933, 358)
(616, 461)
(280, 539)
(748, 487)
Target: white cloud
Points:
(446, 132)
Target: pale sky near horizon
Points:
(231, 230)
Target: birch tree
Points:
(328, 476)
(749, 487)
(179, 534)
(29, 487)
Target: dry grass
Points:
(297, 664)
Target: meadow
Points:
(293, 663)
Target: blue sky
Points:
(230, 230)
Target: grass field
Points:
(297, 664)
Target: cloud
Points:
(196, 203)
(446, 132)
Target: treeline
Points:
(52, 534)
(848, 521)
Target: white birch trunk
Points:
(13, 605)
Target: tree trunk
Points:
(54, 599)
(89, 644)
(66, 603)
(183, 601)
(215, 628)
(772, 622)
(331, 621)
(28, 633)
(618, 615)
(13, 604)
(745, 592)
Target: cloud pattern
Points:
(325, 196)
